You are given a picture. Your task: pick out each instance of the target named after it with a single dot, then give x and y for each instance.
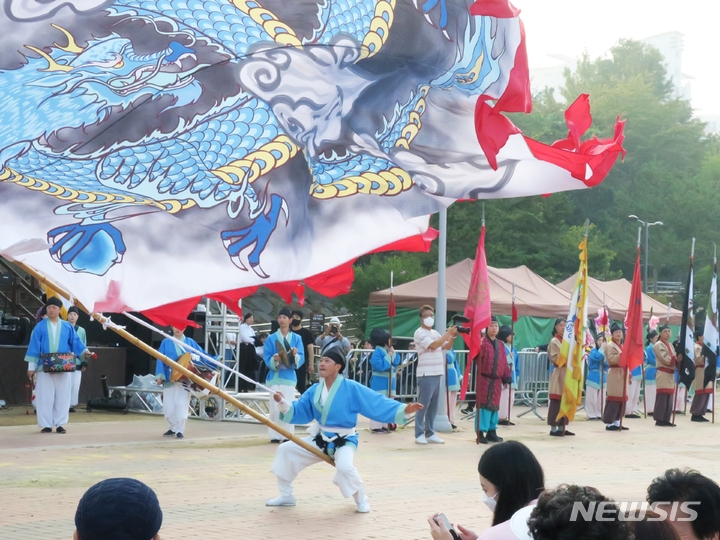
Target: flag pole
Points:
(625, 367)
(682, 345)
(177, 367)
(390, 342)
(715, 344)
(512, 345)
(605, 319)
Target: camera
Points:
(333, 329)
(458, 321)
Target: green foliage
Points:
(671, 174)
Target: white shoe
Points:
(421, 440)
(363, 507)
(282, 500)
(434, 439)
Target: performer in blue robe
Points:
(82, 362)
(334, 403)
(453, 381)
(176, 396)
(283, 354)
(53, 390)
(594, 394)
(384, 361)
(650, 370)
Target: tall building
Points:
(670, 45)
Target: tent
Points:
(537, 300)
(617, 295)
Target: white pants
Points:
(711, 401)
(593, 399)
(680, 398)
(288, 393)
(633, 395)
(76, 379)
(176, 401)
(52, 398)
(291, 459)
(650, 393)
(452, 395)
(504, 413)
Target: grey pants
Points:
(428, 395)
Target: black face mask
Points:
(295, 322)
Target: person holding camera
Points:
(332, 337)
(431, 347)
(283, 354)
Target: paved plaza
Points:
(213, 484)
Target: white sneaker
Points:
(282, 500)
(421, 440)
(363, 507)
(434, 439)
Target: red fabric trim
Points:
(665, 391)
(619, 398)
(704, 391)
(556, 396)
(666, 370)
(501, 9)
(174, 314)
(417, 243)
(233, 297)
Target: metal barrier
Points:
(534, 382)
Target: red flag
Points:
(477, 308)
(391, 308)
(514, 313)
(633, 351)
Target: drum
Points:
(57, 362)
(199, 370)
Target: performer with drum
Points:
(53, 352)
(176, 394)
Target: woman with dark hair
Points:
(595, 390)
(512, 479)
(657, 529)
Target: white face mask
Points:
(490, 502)
(429, 321)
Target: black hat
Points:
(54, 301)
(117, 509)
(335, 355)
(379, 337)
(504, 333)
(663, 327)
(285, 311)
(699, 331)
(73, 309)
(615, 327)
(493, 319)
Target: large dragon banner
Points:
(159, 150)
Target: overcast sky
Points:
(571, 26)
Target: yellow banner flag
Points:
(572, 350)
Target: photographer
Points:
(431, 348)
(332, 337)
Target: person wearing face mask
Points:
(430, 346)
(307, 339)
(511, 479)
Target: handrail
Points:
(23, 283)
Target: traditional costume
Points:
(81, 364)
(336, 410)
(492, 372)
(557, 385)
(281, 376)
(633, 391)
(702, 391)
(594, 390)
(53, 387)
(681, 395)
(650, 370)
(507, 397)
(384, 366)
(453, 381)
(665, 359)
(176, 396)
(617, 380)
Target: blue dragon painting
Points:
(121, 108)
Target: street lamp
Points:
(647, 233)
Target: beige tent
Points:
(534, 296)
(617, 298)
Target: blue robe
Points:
(596, 358)
(174, 351)
(344, 402)
(381, 364)
(67, 341)
(650, 365)
(453, 368)
(278, 374)
(516, 364)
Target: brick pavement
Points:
(213, 484)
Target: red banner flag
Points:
(477, 308)
(514, 313)
(391, 308)
(633, 351)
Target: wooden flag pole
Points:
(175, 366)
(512, 345)
(606, 315)
(390, 373)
